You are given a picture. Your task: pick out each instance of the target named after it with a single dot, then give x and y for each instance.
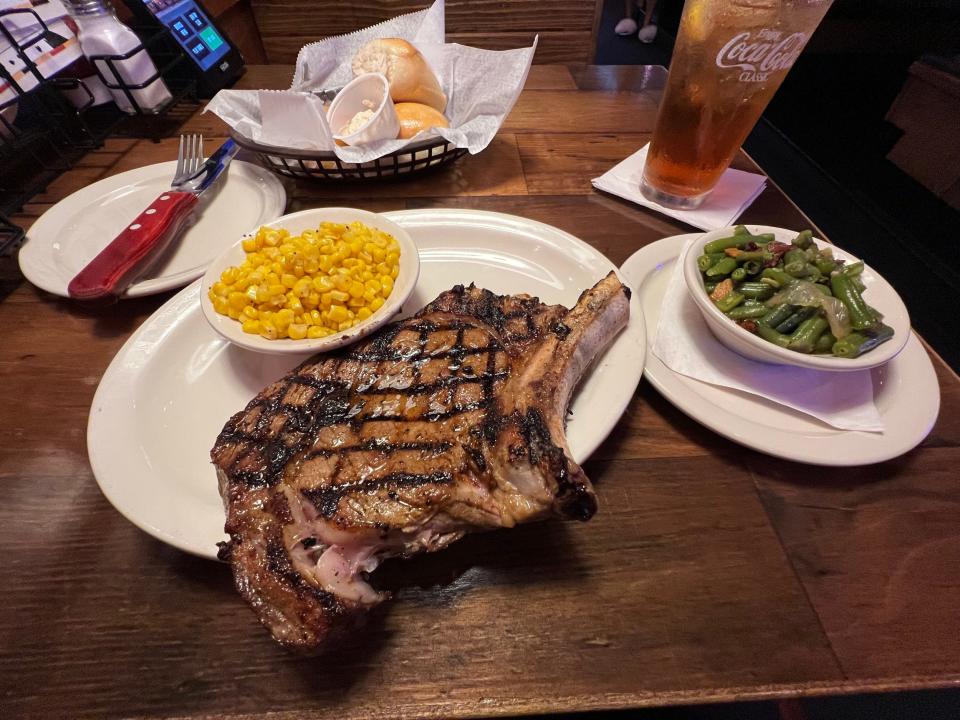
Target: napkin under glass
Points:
(732, 195)
(685, 344)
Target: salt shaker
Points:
(101, 33)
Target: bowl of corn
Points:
(310, 281)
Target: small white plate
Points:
(296, 223)
(71, 233)
(906, 391)
(173, 385)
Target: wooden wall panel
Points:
(566, 27)
(240, 26)
(554, 47)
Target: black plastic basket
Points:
(325, 165)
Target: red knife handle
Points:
(130, 253)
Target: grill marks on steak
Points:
(446, 422)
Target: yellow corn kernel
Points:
(297, 331)
(250, 244)
(229, 276)
(315, 332)
(303, 287)
(251, 326)
(237, 300)
(337, 313)
(323, 284)
(295, 305)
(376, 304)
(250, 312)
(221, 305)
(355, 289)
(387, 286)
(219, 288)
(345, 325)
(363, 313)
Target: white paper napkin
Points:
(732, 195)
(685, 344)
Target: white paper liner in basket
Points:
(481, 87)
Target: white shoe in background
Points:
(647, 33)
(627, 26)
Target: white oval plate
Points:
(173, 385)
(296, 223)
(71, 233)
(906, 391)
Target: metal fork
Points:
(189, 159)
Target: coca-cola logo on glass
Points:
(758, 55)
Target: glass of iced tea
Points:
(729, 60)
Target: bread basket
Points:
(419, 157)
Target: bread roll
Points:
(411, 79)
(415, 117)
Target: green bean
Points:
(804, 239)
(745, 255)
(812, 253)
(738, 275)
(704, 262)
(794, 255)
(741, 230)
(853, 268)
(722, 267)
(858, 283)
(752, 267)
(755, 290)
(771, 335)
(856, 344)
(710, 287)
(801, 269)
(805, 337)
(721, 244)
(763, 238)
(792, 322)
(729, 302)
(777, 315)
(844, 290)
(824, 343)
(749, 310)
(778, 275)
(825, 265)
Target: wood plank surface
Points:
(710, 573)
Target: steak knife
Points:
(130, 254)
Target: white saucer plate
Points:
(906, 391)
(168, 392)
(71, 233)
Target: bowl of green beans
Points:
(783, 296)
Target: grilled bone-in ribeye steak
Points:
(449, 421)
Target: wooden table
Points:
(710, 573)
